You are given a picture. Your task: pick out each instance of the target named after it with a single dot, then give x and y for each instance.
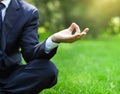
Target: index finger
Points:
(74, 26)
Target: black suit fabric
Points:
(20, 39)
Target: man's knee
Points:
(53, 74)
(48, 70)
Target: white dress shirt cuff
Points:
(49, 45)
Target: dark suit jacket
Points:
(20, 35)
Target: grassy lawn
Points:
(88, 67)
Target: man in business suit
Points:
(18, 37)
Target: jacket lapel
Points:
(11, 17)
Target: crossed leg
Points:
(31, 78)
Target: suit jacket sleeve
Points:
(30, 46)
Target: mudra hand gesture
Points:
(67, 36)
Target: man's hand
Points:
(67, 36)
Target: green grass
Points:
(88, 67)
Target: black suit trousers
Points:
(29, 79)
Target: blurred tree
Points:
(95, 14)
(50, 14)
(115, 25)
(101, 12)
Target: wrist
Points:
(54, 39)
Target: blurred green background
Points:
(91, 65)
(101, 16)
